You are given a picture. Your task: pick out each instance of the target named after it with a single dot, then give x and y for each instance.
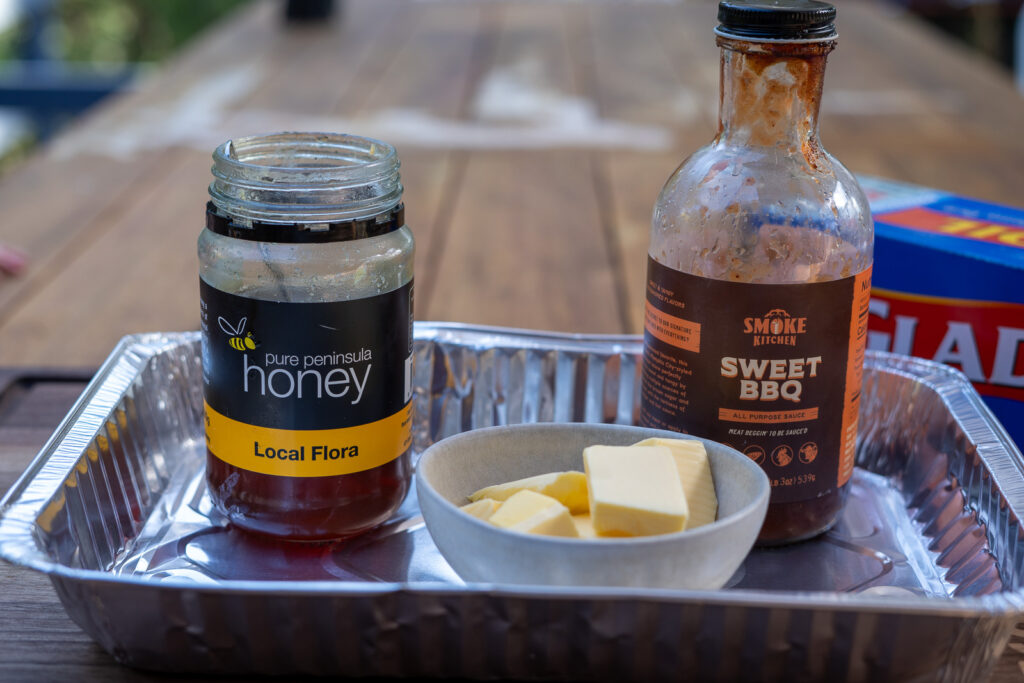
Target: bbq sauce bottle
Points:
(759, 274)
(306, 276)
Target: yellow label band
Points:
(308, 452)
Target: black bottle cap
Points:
(777, 19)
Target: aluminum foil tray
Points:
(921, 580)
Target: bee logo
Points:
(235, 338)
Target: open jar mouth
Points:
(304, 178)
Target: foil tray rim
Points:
(115, 376)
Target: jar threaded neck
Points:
(304, 178)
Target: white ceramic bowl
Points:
(701, 558)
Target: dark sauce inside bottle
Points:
(803, 519)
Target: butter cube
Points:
(695, 475)
(634, 490)
(584, 526)
(568, 488)
(534, 513)
(481, 509)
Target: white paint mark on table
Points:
(520, 92)
(195, 120)
(415, 128)
(511, 112)
(888, 102)
(689, 106)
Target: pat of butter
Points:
(634, 490)
(568, 488)
(584, 526)
(534, 513)
(695, 475)
(481, 509)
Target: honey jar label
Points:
(307, 389)
(772, 370)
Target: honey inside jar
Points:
(306, 291)
(309, 508)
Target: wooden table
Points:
(534, 139)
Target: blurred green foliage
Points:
(131, 30)
(123, 30)
(108, 33)
(9, 40)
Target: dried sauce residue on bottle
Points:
(769, 87)
(759, 273)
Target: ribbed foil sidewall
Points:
(957, 474)
(407, 633)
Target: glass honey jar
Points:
(306, 294)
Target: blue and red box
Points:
(948, 285)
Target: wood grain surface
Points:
(534, 138)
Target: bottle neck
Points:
(771, 93)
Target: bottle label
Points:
(307, 389)
(772, 370)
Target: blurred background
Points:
(59, 57)
(534, 137)
(990, 26)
